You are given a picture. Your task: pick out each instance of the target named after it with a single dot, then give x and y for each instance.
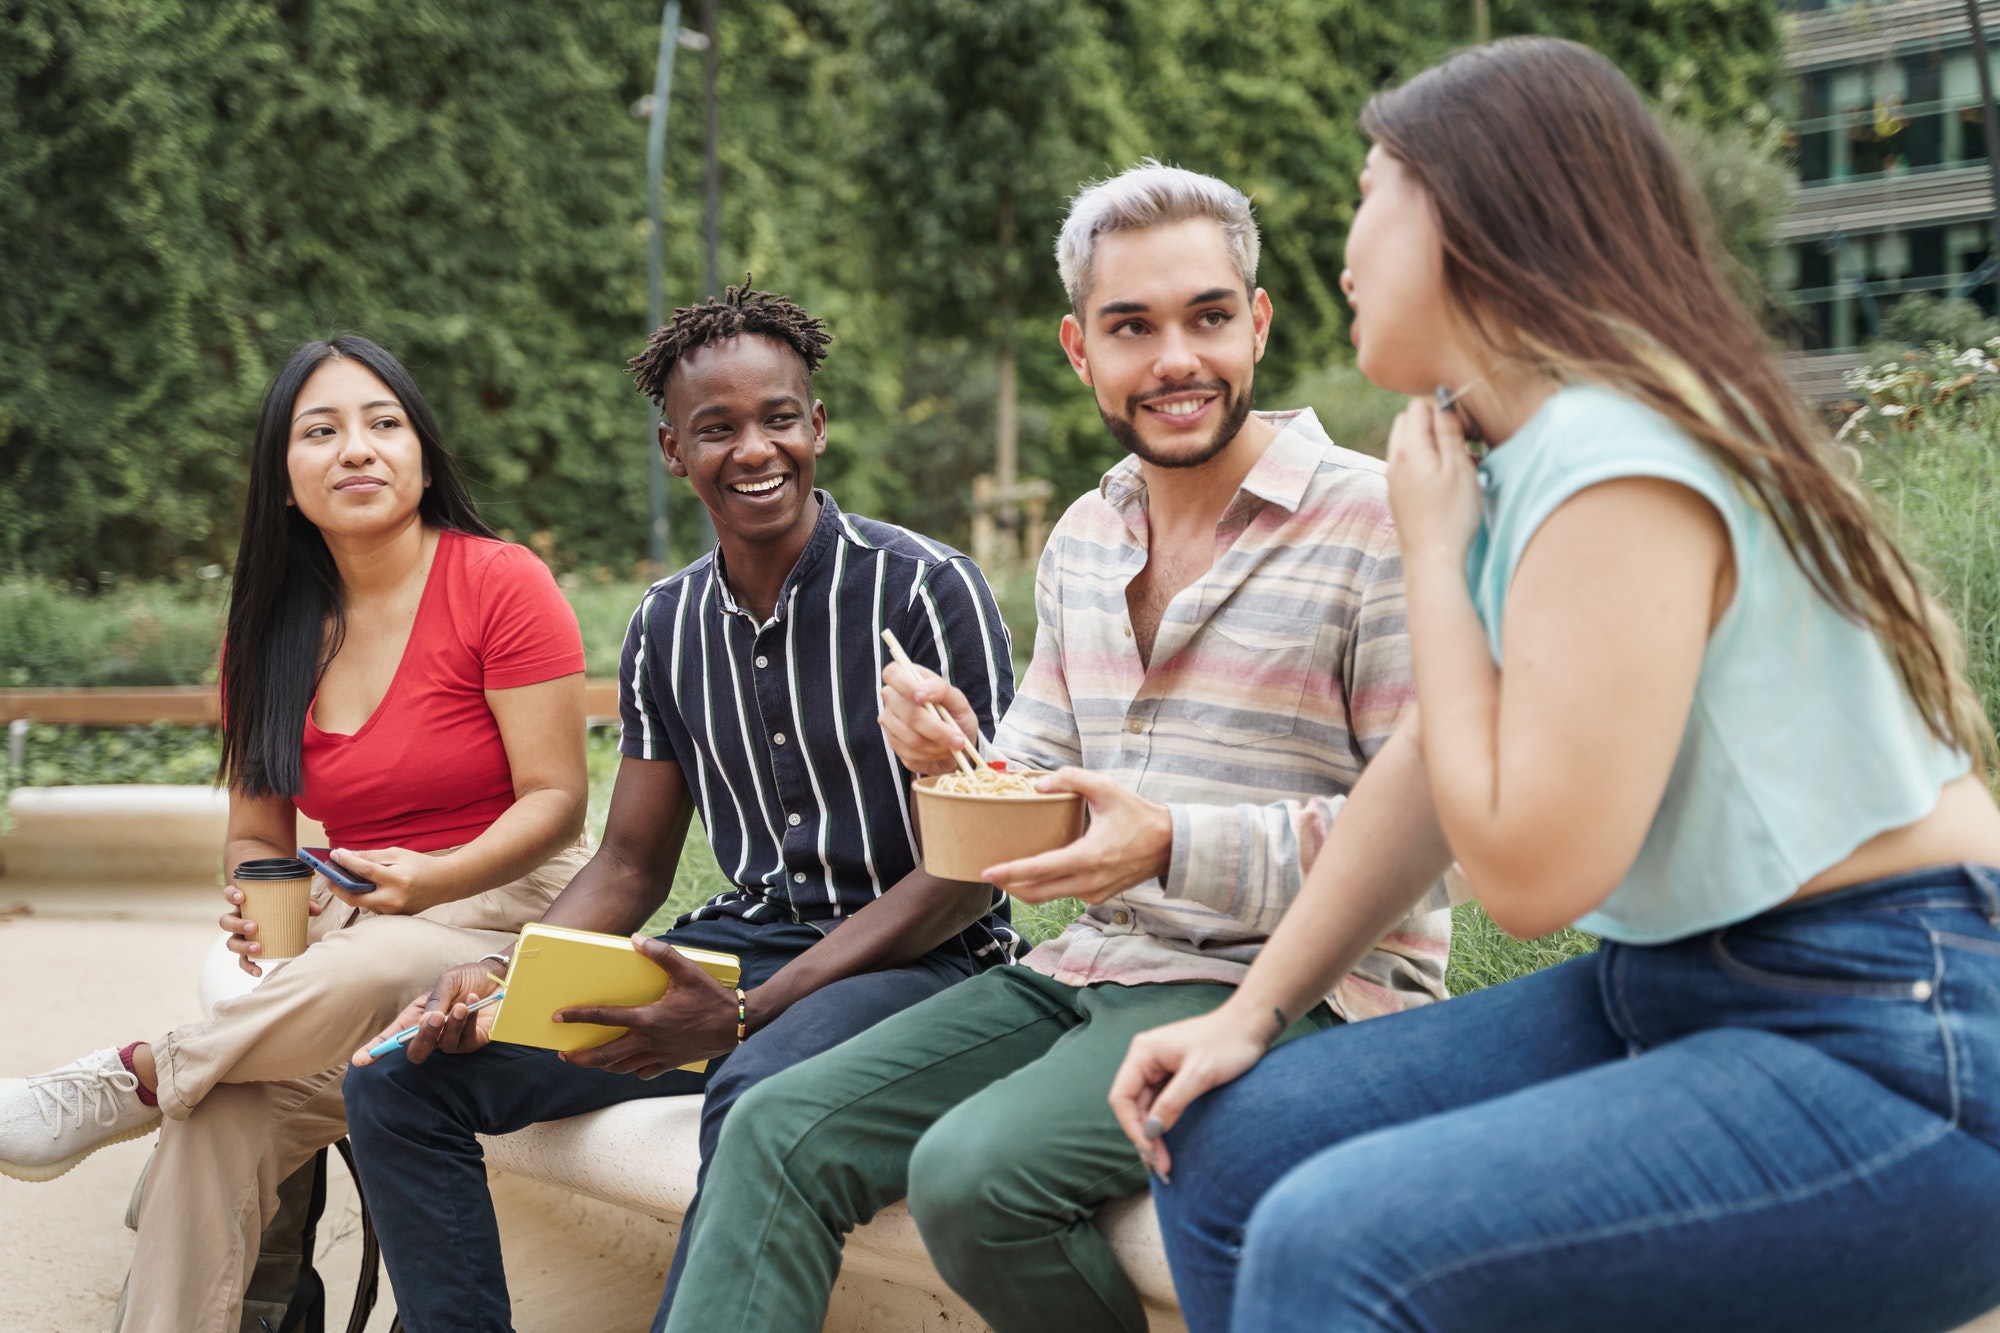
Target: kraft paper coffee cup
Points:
(277, 893)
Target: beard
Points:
(1235, 411)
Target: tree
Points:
(1267, 94)
(190, 191)
(974, 121)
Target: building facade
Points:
(1894, 192)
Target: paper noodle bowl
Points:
(962, 834)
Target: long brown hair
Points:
(286, 586)
(1575, 240)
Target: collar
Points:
(1280, 477)
(826, 531)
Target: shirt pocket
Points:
(1260, 678)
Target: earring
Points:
(1447, 401)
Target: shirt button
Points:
(792, 820)
(798, 877)
(1922, 990)
(779, 738)
(1127, 631)
(1121, 917)
(1135, 726)
(763, 661)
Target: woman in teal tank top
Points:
(1675, 684)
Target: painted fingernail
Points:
(1154, 1128)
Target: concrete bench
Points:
(128, 849)
(642, 1156)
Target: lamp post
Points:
(711, 189)
(653, 110)
(711, 168)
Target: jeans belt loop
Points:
(1986, 879)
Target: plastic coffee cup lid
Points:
(273, 867)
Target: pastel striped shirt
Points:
(1274, 677)
(773, 722)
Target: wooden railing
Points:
(189, 705)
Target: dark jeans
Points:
(1791, 1123)
(424, 1174)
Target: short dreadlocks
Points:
(737, 311)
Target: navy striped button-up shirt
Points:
(773, 724)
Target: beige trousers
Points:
(250, 1095)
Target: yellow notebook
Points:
(555, 968)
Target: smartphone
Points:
(321, 859)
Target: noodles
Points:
(985, 782)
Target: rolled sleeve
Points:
(1246, 860)
(1251, 860)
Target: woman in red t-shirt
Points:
(401, 675)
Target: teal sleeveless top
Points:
(1801, 744)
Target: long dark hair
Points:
(286, 585)
(1575, 240)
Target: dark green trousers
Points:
(986, 1107)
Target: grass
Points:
(1483, 955)
(1943, 487)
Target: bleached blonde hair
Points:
(1153, 195)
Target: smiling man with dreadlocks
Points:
(747, 693)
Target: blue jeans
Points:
(1790, 1123)
(424, 1174)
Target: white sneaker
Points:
(50, 1122)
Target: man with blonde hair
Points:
(1219, 649)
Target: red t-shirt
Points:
(427, 769)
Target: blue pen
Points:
(402, 1039)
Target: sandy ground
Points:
(572, 1264)
(117, 980)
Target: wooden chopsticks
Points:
(903, 659)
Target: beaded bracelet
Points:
(742, 1018)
